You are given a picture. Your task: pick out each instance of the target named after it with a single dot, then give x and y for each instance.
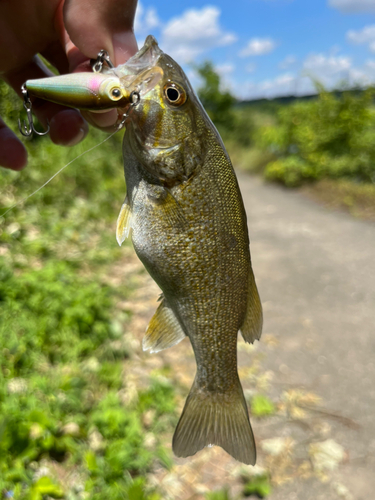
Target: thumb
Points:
(93, 25)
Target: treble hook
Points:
(27, 131)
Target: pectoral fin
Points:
(252, 326)
(163, 331)
(171, 209)
(123, 222)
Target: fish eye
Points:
(115, 93)
(175, 94)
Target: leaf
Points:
(262, 406)
(259, 486)
(45, 486)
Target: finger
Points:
(67, 126)
(93, 25)
(13, 153)
(105, 121)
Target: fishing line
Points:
(57, 173)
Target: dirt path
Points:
(316, 275)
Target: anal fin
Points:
(252, 326)
(123, 222)
(163, 331)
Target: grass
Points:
(244, 151)
(262, 406)
(70, 426)
(356, 198)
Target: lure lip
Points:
(87, 91)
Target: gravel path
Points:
(316, 275)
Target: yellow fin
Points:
(123, 222)
(163, 331)
(215, 418)
(252, 325)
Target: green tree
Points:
(233, 124)
(217, 103)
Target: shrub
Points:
(332, 136)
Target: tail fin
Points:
(210, 418)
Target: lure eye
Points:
(115, 93)
(175, 95)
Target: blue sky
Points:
(267, 48)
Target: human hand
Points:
(68, 34)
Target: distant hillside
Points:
(273, 104)
(277, 100)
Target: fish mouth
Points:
(145, 59)
(141, 72)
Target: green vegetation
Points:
(233, 124)
(262, 406)
(353, 197)
(218, 495)
(71, 425)
(258, 486)
(329, 137)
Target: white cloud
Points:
(284, 80)
(258, 47)
(328, 69)
(287, 62)
(370, 65)
(322, 66)
(349, 6)
(193, 33)
(225, 72)
(225, 69)
(145, 20)
(363, 36)
(281, 85)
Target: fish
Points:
(185, 214)
(188, 224)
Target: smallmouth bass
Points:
(185, 213)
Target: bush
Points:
(65, 409)
(332, 136)
(291, 171)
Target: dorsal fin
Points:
(123, 222)
(163, 331)
(252, 326)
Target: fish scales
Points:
(189, 229)
(185, 212)
(194, 267)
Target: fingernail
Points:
(78, 138)
(13, 153)
(68, 128)
(103, 120)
